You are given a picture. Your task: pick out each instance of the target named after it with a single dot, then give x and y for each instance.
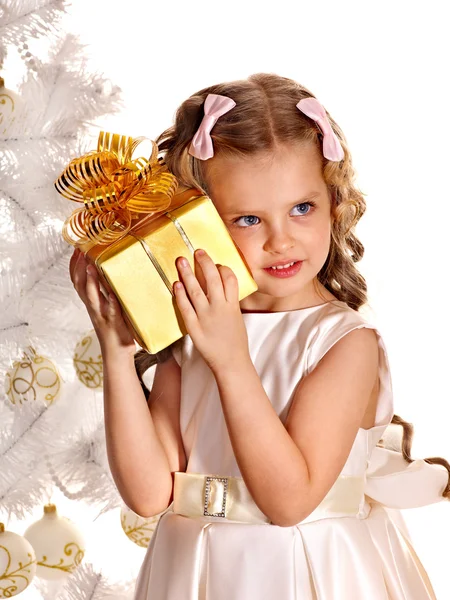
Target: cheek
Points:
(245, 245)
(323, 231)
(320, 242)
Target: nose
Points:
(279, 241)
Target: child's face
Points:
(263, 202)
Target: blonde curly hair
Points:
(266, 116)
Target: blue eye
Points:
(246, 217)
(310, 204)
(302, 213)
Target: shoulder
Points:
(338, 313)
(338, 323)
(358, 346)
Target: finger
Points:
(104, 283)
(97, 301)
(192, 287)
(73, 261)
(113, 305)
(185, 307)
(214, 285)
(101, 280)
(230, 284)
(79, 276)
(198, 272)
(108, 288)
(103, 304)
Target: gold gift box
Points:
(140, 267)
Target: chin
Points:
(279, 289)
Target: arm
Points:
(140, 449)
(290, 468)
(136, 455)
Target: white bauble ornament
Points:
(58, 544)
(33, 377)
(17, 563)
(87, 360)
(9, 104)
(138, 529)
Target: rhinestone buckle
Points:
(224, 480)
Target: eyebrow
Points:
(232, 212)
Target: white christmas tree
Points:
(52, 445)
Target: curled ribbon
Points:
(114, 189)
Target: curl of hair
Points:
(264, 118)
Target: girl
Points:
(260, 443)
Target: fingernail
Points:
(183, 262)
(200, 252)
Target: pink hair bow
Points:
(332, 148)
(215, 106)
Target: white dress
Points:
(367, 556)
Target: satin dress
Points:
(328, 556)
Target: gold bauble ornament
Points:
(58, 544)
(17, 563)
(138, 529)
(87, 360)
(33, 377)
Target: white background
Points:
(381, 70)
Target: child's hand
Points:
(213, 320)
(105, 313)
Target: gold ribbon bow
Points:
(114, 188)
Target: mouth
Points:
(287, 269)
